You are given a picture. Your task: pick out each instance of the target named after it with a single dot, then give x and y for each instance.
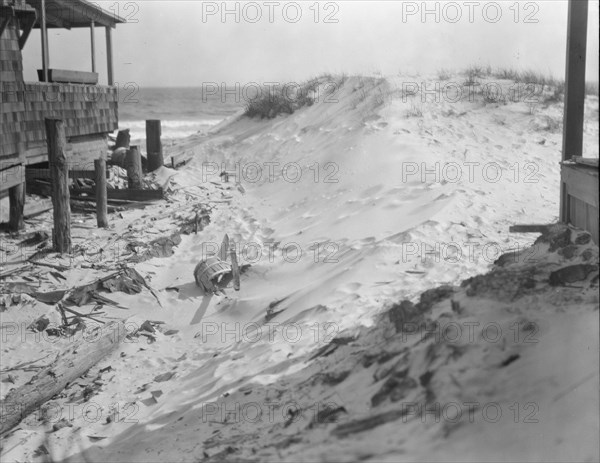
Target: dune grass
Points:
(288, 98)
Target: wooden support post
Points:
(59, 175)
(123, 139)
(109, 56)
(16, 196)
(101, 195)
(44, 34)
(574, 89)
(93, 40)
(154, 145)
(133, 164)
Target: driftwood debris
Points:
(68, 366)
(528, 228)
(235, 270)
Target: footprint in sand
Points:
(364, 242)
(349, 288)
(371, 191)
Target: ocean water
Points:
(182, 111)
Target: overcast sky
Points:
(188, 42)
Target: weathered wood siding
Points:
(580, 185)
(85, 109)
(11, 61)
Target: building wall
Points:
(11, 60)
(88, 111)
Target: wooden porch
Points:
(88, 111)
(579, 175)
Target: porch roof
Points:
(67, 14)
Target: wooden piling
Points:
(123, 139)
(16, 195)
(154, 145)
(59, 175)
(101, 194)
(133, 164)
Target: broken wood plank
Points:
(44, 188)
(224, 248)
(592, 162)
(60, 268)
(68, 366)
(79, 314)
(179, 160)
(35, 212)
(533, 228)
(235, 270)
(128, 194)
(14, 270)
(44, 174)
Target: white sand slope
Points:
(368, 197)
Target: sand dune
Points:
(372, 195)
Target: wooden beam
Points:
(59, 173)
(4, 22)
(574, 88)
(129, 194)
(31, 174)
(70, 77)
(534, 228)
(93, 40)
(109, 56)
(27, 27)
(44, 34)
(11, 176)
(43, 188)
(575, 79)
(101, 197)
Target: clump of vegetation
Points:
(272, 103)
(474, 73)
(414, 111)
(288, 98)
(444, 74)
